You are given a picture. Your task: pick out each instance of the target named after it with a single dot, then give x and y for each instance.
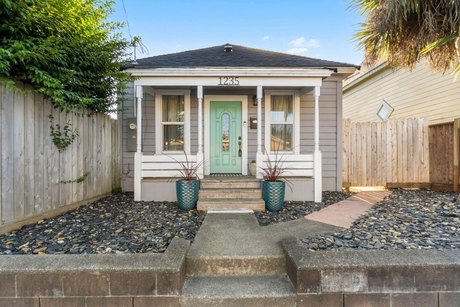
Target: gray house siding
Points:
(330, 122)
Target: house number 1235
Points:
(229, 81)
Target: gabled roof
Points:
(233, 56)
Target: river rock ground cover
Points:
(115, 224)
(407, 219)
(293, 210)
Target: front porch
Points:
(155, 168)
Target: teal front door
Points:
(225, 137)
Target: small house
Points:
(226, 106)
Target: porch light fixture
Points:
(254, 100)
(384, 111)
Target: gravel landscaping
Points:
(115, 224)
(407, 219)
(293, 210)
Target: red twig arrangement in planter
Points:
(188, 169)
(273, 169)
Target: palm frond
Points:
(440, 42)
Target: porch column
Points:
(317, 154)
(138, 154)
(200, 155)
(259, 132)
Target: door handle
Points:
(240, 153)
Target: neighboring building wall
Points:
(421, 93)
(330, 123)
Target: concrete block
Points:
(320, 300)
(367, 299)
(449, 299)
(434, 278)
(86, 284)
(22, 302)
(391, 279)
(132, 283)
(62, 301)
(149, 301)
(7, 285)
(414, 299)
(344, 281)
(169, 283)
(109, 302)
(31, 285)
(308, 281)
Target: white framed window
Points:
(172, 117)
(282, 115)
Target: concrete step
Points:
(254, 291)
(233, 244)
(236, 265)
(229, 183)
(230, 193)
(224, 204)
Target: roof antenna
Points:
(136, 41)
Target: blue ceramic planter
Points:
(273, 195)
(187, 193)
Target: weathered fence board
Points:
(32, 169)
(444, 155)
(377, 153)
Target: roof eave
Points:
(240, 71)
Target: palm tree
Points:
(404, 31)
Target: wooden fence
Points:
(395, 152)
(33, 171)
(445, 155)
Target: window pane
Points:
(173, 137)
(225, 132)
(281, 138)
(173, 108)
(281, 108)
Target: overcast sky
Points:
(315, 28)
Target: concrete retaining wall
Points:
(94, 280)
(374, 278)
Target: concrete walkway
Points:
(344, 213)
(233, 243)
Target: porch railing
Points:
(294, 165)
(163, 166)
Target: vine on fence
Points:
(78, 180)
(62, 138)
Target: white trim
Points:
(259, 119)
(158, 119)
(244, 130)
(317, 160)
(200, 118)
(137, 176)
(249, 81)
(339, 136)
(296, 101)
(247, 71)
(138, 155)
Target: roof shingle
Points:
(239, 56)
